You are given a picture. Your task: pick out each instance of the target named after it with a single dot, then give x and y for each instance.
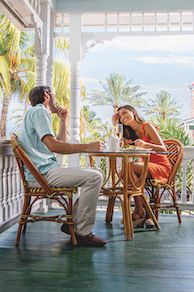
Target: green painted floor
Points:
(155, 261)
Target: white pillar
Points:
(41, 65)
(75, 53)
(44, 57)
(49, 73)
(42, 44)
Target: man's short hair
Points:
(37, 94)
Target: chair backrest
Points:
(175, 147)
(23, 159)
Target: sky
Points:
(154, 63)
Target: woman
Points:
(144, 135)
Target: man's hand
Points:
(62, 113)
(95, 146)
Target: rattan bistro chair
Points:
(156, 189)
(63, 196)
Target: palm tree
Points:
(15, 74)
(116, 91)
(61, 80)
(163, 107)
(61, 85)
(90, 125)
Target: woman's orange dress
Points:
(159, 166)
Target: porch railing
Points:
(11, 192)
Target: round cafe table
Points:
(124, 189)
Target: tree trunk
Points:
(3, 121)
(115, 107)
(164, 116)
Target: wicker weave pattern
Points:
(156, 188)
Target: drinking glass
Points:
(103, 139)
(119, 131)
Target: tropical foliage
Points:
(91, 125)
(163, 112)
(116, 91)
(170, 129)
(16, 69)
(162, 107)
(61, 86)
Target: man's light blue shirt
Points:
(36, 125)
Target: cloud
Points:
(89, 80)
(171, 43)
(179, 60)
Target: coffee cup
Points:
(114, 144)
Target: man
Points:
(40, 143)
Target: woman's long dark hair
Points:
(128, 132)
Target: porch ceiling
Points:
(23, 13)
(120, 6)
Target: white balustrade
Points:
(11, 192)
(11, 189)
(186, 200)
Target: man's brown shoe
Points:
(90, 240)
(87, 240)
(65, 228)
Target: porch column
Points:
(49, 73)
(42, 44)
(41, 65)
(44, 58)
(75, 53)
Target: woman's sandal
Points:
(149, 224)
(139, 223)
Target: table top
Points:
(131, 151)
(121, 152)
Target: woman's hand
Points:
(140, 143)
(115, 119)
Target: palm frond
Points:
(28, 63)
(5, 80)
(115, 91)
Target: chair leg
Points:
(23, 219)
(127, 220)
(157, 203)
(28, 213)
(19, 234)
(150, 212)
(71, 225)
(174, 198)
(109, 210)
